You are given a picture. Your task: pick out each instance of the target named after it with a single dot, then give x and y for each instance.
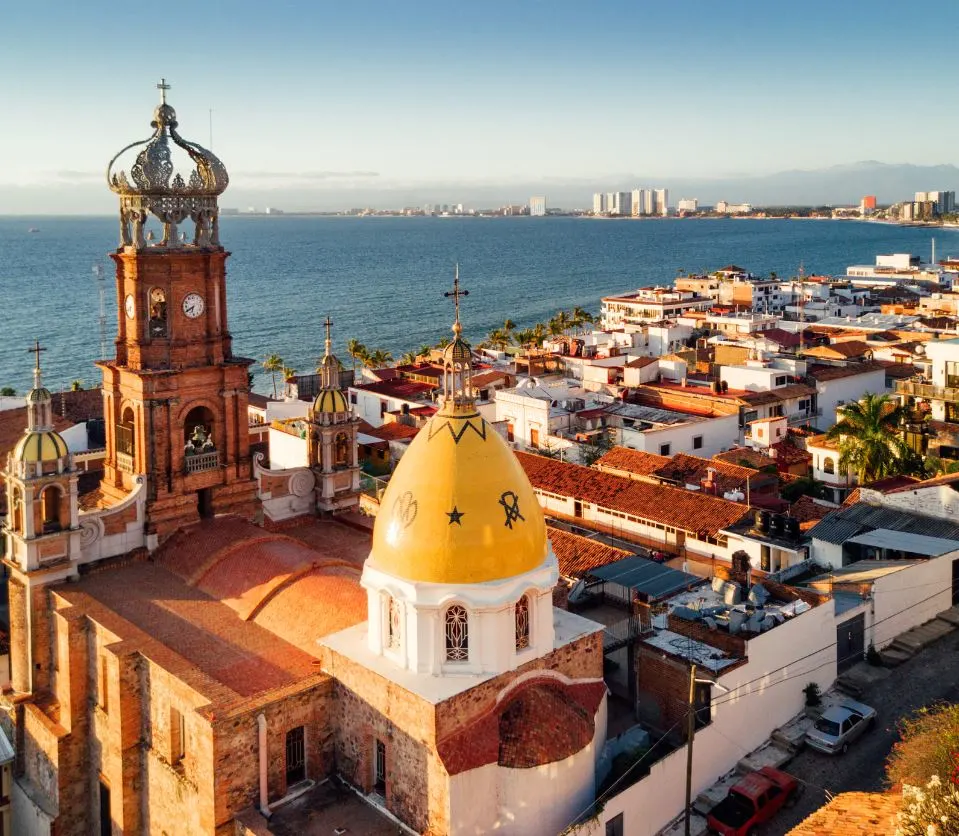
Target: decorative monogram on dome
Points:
(510, 503)
(405, 508)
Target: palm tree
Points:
(356, 350)
(76, 386)
(273, 363)
(425, 351)
(563, 320)
(525, 338)
(445, 341)
(498, 339)
(379, 358)
(870, 442)
(288, 372)
(508, 326)
(579, 316)
(409, 359)
(539, 334)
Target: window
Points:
(457, 634)
(804, 405)
(828, 465)
(158, 314)
(764, 558)
(614, 827)
(522, 623)
(341, 451)
(509, 431)
(383, 408)
(50, 500)
(379, 769)
(697, 442)
(353, 398)
(295, 756)
(534, 438)
(17, 502)
(393, 623)
(781, 380)
(702, 705)
(664, 449)
(177, 736)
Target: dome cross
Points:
(456, 293)
(36, 350)
(163, 87)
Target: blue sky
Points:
(419, 92)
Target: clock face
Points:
(193, 305)
(130, 306)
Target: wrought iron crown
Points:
(172, 179)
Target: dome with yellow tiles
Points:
(459, 509)
(36, 447)
(330, 401)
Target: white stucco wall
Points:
(903, 600)
(718, 434)
(287, 451)
(518, 802)
(846, 389)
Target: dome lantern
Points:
(457, 360)
(330, 400)
(170, 178)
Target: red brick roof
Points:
(823, 373)
(808, 511)
(691, 470)
(79, 406)
(788, 453)
(577, 555)
(673, 507)
(393, 431)
(739, 455)
(631, 461)
(853, 814)
(848, 350)
(410, 390)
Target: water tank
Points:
(736, 620)
(779, 525)
(764, 517)
(792, 528)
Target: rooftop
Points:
(852, 520)
(853, 814)
(674, 507)
(653, 580)
(631, 461)
(704, 655)
(577, 555)
(824, 373)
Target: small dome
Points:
(458, 351)
(329, 401)
(42, 446)
(41, 395)
(458, 509)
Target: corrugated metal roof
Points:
(905, 541)
(647, 576)
(849, 522)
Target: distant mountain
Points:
(836, 185)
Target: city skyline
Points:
(331, 99)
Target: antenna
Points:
(802, 308)
(102, 290)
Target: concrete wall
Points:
(287, 451)
(908, 598)
(28, 819)
(846, 389)
(718, 434)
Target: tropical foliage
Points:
(870, 440)
(930, 810)
(273, 363)
(929, 741)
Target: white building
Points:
(622, 202)
(666, 431)
(838, 385)
(648, 304)
(661, 202)
(724, 207)
(599, 203)
(537, 207)
(688, 204)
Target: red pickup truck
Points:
(751, 802)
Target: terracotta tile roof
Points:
(260, 401)
(79, 406)
(809, 512)
(745, 457)
(853, 814)
(675, 507)
(393, 431)
(847, 350)
(486, 378)
(787, 453)
(542, 725)
(902, 371)
(631, 461)
(823, 373)
(915, 484)
(410, 390)
(577, 555)
(691, 470)
(852, 499)
(794, 390)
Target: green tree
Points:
(803, 486)
(525, 338)
(409, 359)
(928, 741)
(509, 326)
(8, 392)
(273, 363)
(357, 351)
(870, 443)
(288, 372)
(580, 316)
(379, 358)
(498, 339)
(76, 386)
(425, 351)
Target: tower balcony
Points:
(930, 391)
(201, 462)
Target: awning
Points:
(903, 541)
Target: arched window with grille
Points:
(457, 634)
(394, 624)
(522, 622)
(828, 465)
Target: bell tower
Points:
(175, 397)
(332, 438)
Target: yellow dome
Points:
(459, 508)
(329, 401)
(40, 446)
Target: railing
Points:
(621, 633)
(124, 462)
(916, 389)
(201, 462)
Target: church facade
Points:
(204, 639)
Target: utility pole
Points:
(690, 731)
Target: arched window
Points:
(394, 623)
(828, 465)
(17, 510)
(457, 634)
(158, 313)
(50, 504)
(341, 451)
(522, 623)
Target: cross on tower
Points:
(328, 324)
(36, 350)
(456, 293)
(163, 87)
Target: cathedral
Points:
(206, 644)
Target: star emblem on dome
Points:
(455, 516)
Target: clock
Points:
(129, 306)
(193, 305)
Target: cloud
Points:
(306, 175)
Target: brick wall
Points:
(663, 685)
(734, 645)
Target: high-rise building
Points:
(661, 202)
(610, 201)
(599, 203)
(649, 202)
(621, 203)
(867, 205)
(688, 204)
(537, 206)
(945, 201)
(636, 204)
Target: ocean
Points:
(382, 279)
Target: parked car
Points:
(752, 801)
(839, 726)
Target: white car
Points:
(839, 726)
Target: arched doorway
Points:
(199, 445)
(51, 500)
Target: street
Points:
(929, 677)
